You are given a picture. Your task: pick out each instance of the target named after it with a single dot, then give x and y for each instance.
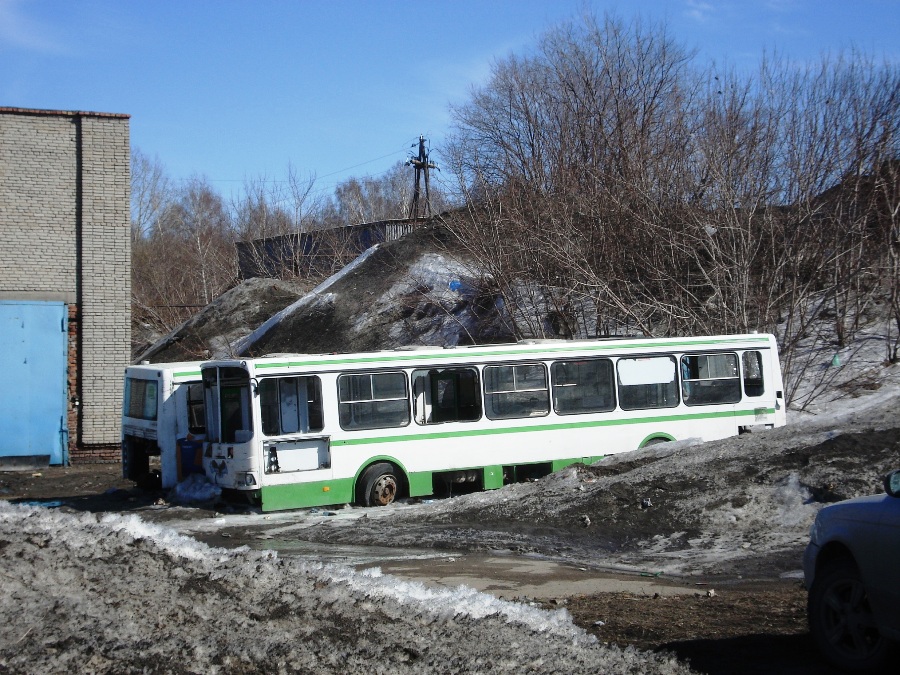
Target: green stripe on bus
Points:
(451, 354)
(302, 495)
(466, 433)
(193, 373)
(341, 491)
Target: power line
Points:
(327, 175)
(421, 164)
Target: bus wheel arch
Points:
(380, 484)
(656, 439)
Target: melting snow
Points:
(121, 595)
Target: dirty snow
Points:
(740, 506)
(439, 278)
(195, 489)
(412, 291)
(219, 328)
(125, 594)
(119, 595)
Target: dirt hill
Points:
(218, 328)
(406, 292)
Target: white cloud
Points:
(698, 10)
(19, 30)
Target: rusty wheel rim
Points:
(384, 490)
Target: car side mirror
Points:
(892, 483)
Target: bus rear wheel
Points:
(378, 486)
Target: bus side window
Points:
(290, 405)
(647, 382)
(268, 406)
(373, 400)
(753, 374)
(516, 391)
(446, 395)
(421, 397)
(454, 395)
(583, 386)
(710, 379)
(314, 394)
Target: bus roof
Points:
(180, 370)
(533, 348)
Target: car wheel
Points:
(378, 485)
(841, 619)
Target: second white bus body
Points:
(293, 431)
(163, 404)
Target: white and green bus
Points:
(163, 412)
(300, 430)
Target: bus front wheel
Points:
(378, 485)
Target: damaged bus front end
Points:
(228, 459)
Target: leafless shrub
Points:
(607, 168)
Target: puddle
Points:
(356, 556)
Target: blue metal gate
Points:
(33, 359)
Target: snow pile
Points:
(461, 601)
(122, 596)
(446, 287)
(412, 291)
(793, 502)
(195, 488)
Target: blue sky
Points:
(234, 90)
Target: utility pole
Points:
(421, 165)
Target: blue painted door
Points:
(33, 359)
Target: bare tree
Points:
(386, 197)
(607, 170)
(579, 146)
(187, 260)
(150, 193)
(887, 189)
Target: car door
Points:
(877, 552)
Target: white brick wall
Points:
(106, 280)
(37, 204)
(39, 253)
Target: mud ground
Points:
(718, 625)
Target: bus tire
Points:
(378, 485)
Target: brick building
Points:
(65, 284)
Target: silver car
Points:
(852, 572)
